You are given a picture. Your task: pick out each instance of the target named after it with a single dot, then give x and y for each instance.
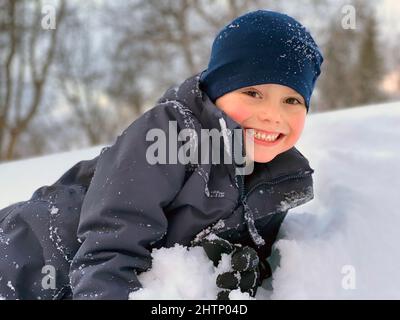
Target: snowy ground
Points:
(341, 245)
(18, 179)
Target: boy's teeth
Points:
(263, 136)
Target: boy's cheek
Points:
(239, 115)
(298, 126)
(296, 131)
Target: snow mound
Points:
(341, 245)
(182, 273)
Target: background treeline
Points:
(106, 62)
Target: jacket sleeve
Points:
(122, 214)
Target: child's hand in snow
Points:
(245, 264)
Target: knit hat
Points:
(262, 47)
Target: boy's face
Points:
(268, 109)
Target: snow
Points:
(249, 217)
(18, 179)
(9, 284)
(353, 220)
(341, 245)
(169, 277)
(54, 210)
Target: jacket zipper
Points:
(248, 214)
(272, 182)
(241, 187)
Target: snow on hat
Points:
(262, 47)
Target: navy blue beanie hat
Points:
(262, 47)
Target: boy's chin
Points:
(264, 157)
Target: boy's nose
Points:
(269, 113)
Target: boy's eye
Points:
(252, 93)
(293, 100)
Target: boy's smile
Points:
(275, 113)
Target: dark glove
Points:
(245, 265)
(216, 247)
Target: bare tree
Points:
(337, 79)
(82, 81)
(369, 67)
(81, 93)
(159, 43)
(24, 73)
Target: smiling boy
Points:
(276, 114)
(114, 209)
(261, 74)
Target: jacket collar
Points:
(190, 94)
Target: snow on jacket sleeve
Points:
(122, 214)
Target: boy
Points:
(98, 223)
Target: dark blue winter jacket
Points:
(97, 224)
